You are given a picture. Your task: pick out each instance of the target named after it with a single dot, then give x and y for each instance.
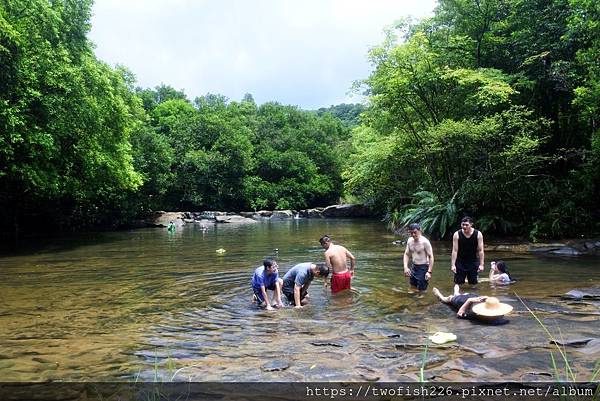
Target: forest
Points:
(489, 108)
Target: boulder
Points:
(282, 214)
(348, 210)
(162, 219)
(316, 213)
(236, 219)
(555, 249)
(264, 213)
(579, 294)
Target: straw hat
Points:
(491, 308)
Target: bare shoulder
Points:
(338, 247)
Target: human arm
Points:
(429, 252)
(462, 312)
(492, 270)
(454, 252)
(266, 297)
(352, 261)
(329, 266)
(407, 258)
(480, 250)
(297, 303)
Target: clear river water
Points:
(152, 305)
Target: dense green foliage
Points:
(349, 114)
(65, 117)
(81, 147)
(490, 108)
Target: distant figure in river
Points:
(476, 307)
(297, 280)
(336, 259)
(266, 277)
(171, 226)
(419, 248)
(499, 273)
(467, 253)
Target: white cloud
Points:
(306, 52)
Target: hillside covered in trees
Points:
(489, 108)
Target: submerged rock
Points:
(588, 293)
(275, 366)
(329, 343)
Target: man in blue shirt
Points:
(266, 277)
(297, 280)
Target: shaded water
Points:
(153, 305)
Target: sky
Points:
(300, 52)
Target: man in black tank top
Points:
(467, 253)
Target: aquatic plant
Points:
(424, 360)
(565, 373)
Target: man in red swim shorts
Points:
(336, 258)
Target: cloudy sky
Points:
(300, 52)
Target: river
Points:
(152, 305)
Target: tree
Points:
(65, 116)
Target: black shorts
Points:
(290, 295)
(417, 276)
(466, 270)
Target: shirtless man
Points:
(420, 249)
(336, 258)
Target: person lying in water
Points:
(499, 273)
(266, 277)
(476, 307)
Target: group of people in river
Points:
(467, 261)
(294, 284)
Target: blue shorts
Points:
(417, 276)
(259, 295)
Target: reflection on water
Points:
(149, 303)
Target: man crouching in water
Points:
(266, 277)
(297, 280)
(336, 258)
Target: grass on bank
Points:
(564, 374)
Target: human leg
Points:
(278, 285)
(441, 297)
(258, 297)
(472, 276)
(417, 277)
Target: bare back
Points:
(337, 256)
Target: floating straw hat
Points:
(491, 308)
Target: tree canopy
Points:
(489, 108)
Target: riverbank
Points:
(562, 248)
